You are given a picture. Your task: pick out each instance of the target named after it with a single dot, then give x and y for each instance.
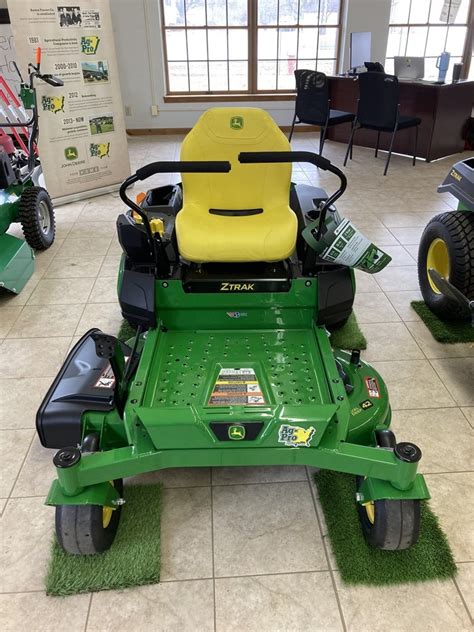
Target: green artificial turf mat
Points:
(442, 331)
(349, 336)
(132, 560)
(358, 563)
(126, 331)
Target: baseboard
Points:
(170, 131)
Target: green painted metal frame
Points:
(134, 450)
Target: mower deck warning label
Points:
(236, 387)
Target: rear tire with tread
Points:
(34, 201)
(456, 229)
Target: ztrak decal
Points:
(99, 150)
(90, 44)
(237, 287)
(296, 436)
(457, 176)
(52, 104)
(372, 387)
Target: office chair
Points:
(313, 105)
(374, 66)
(378, 108)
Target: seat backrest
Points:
(312, 94)
(221, 134)
(378, 99)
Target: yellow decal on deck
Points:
(296, 436)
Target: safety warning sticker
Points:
(236, 387)
(106, 378)
(372, 387)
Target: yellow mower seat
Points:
(204, 232)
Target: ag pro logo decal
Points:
(236, 432)
(52, 104)
(296, 436)
(90, 44)
(237, 122)
(99, 150)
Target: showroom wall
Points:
(139, 52)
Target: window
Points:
(426, 28)
(246, 46)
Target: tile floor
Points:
(283, 577)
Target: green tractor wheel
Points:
(447, 246)
(36, 215)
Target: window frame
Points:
(252, 29)
(466, 54)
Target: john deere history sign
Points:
(82, 140)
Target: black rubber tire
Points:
(456, 228)
(396, 525)
(29, 217)
(79, 528)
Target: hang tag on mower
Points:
(342, 243)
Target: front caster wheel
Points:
(391, 525)
(87, 529)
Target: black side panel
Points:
(137, 298)
(83, 383)
(133, 239)
(335, 296)
(7, 176)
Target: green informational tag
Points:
(27, 96)
(342, 243)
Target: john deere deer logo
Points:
(71, 153)
(237, 122)
(236, 433)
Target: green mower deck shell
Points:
(17, 263)
(9, 206)
(307, 416)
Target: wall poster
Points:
(82, 141)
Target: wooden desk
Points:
(443, 109)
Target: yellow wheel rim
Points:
(437, 259)
(107, 513)
(370, 510)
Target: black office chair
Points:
(374, 66)
(313, 105)
(378, 108)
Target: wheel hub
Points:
(438, 259)
(44, 217)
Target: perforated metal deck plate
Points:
(287, 364)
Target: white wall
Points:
(366, 15)
(139, 52)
